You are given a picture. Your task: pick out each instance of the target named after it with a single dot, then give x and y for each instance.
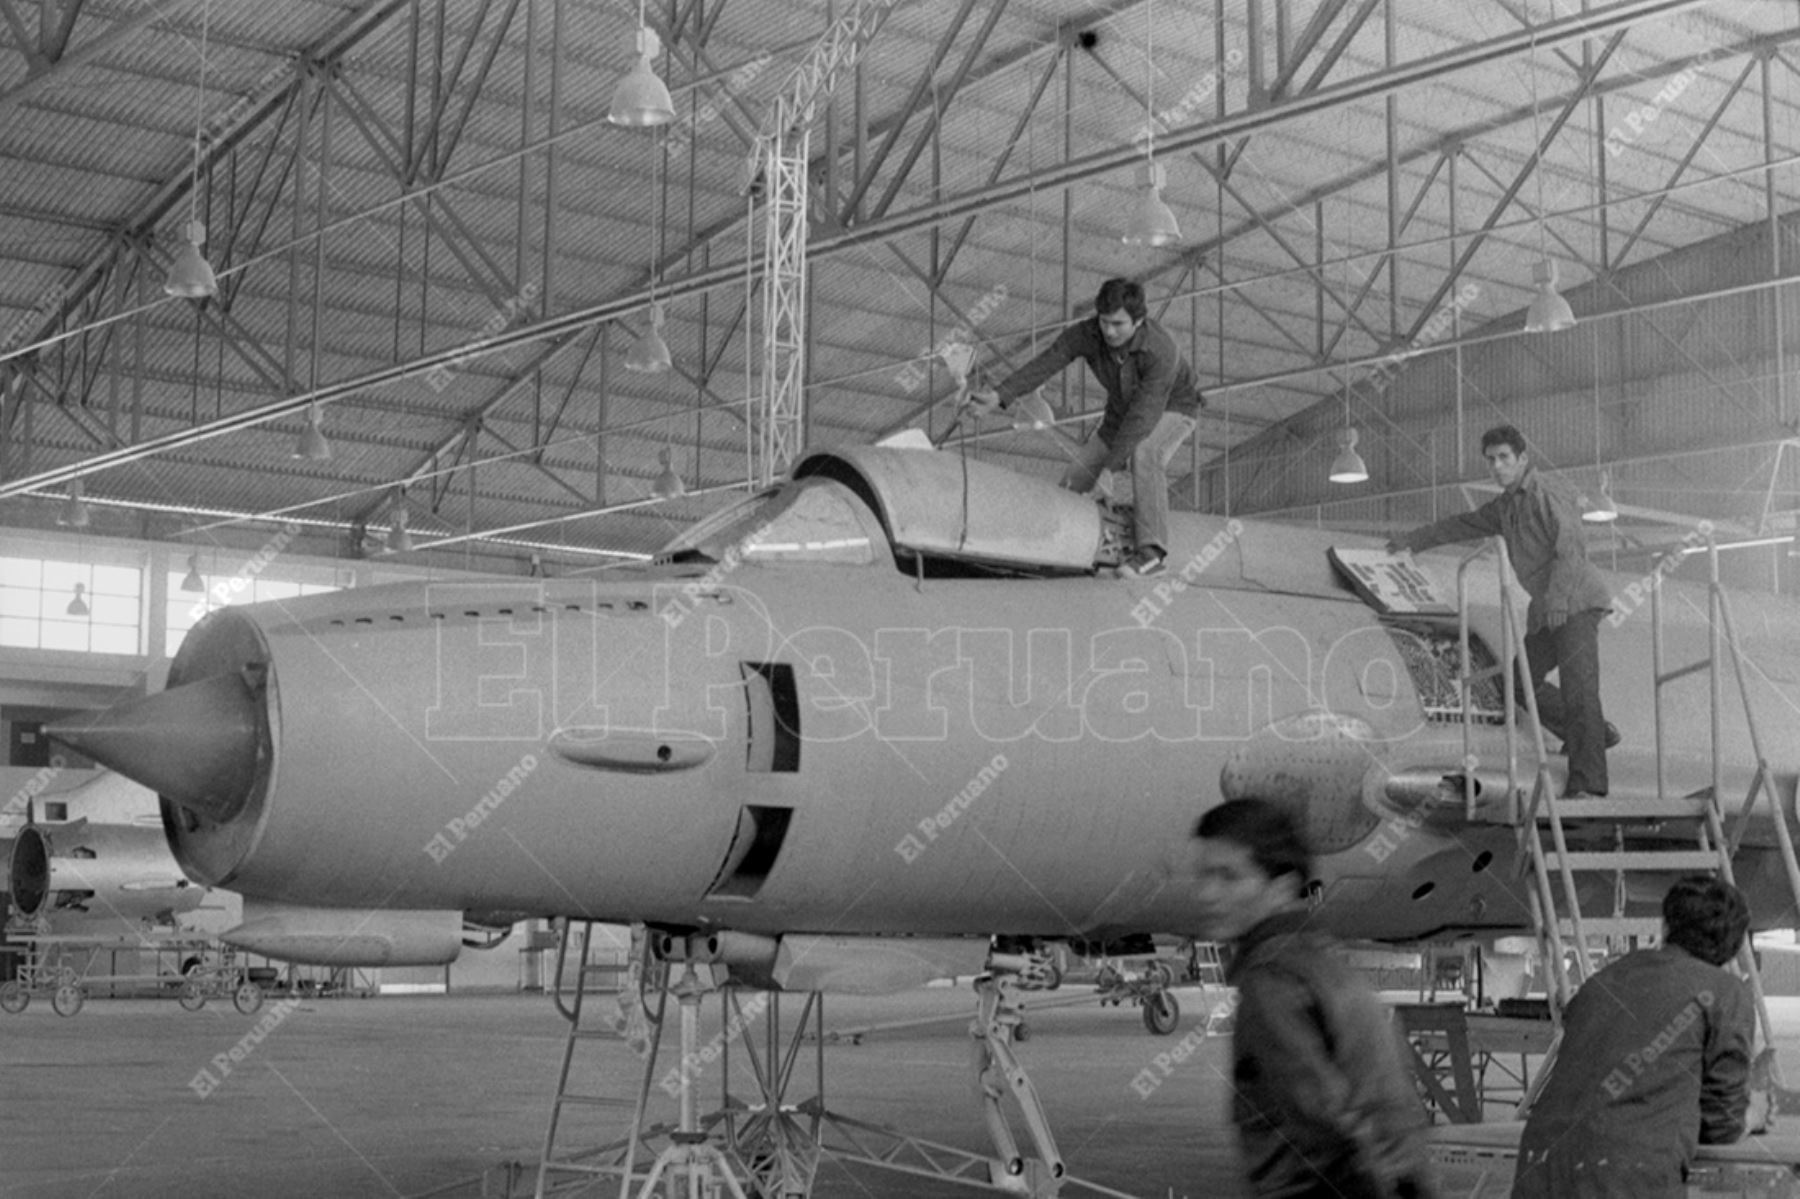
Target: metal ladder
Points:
(1543, 813)
(586, 1026)
(1721, 645)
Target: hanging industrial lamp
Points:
(650, 356)
(1548, 311)
(641, 99)
(78, 606)
(399, 536)
(1151, 222)
(193, 581)
(1348, 466)
(1601, 511)
(668, 484)
(74, 514)
(190, 275)
(312, 444)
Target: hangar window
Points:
(243, 586)
(36, 594)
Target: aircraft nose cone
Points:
(197, 745)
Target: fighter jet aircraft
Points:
(106, 871)
(902, 695)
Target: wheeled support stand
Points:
(691, 1153)
(771, 1146)
(999, 1073)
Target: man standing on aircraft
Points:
(1151, 402)
(1324, 1106)
(1568, 598)
(1655, 1060)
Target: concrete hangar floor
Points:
(397, 1096)
(402, 1096)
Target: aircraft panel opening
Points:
(1432, 656)
(761, 831)
(772, 741)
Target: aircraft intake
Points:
(30, 872)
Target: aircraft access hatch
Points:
(935, 504)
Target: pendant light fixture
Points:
(190, 275)
(1548, 312)
(78, 606)
(193, 580)
(641, 100)
(74, 514)
(668, 484)
(312, 445)
(399, 536)
(1348, 466)
(1151, 222)
(1601, 511)
(650, 354)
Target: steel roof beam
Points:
(47, 64)
(1616, 16)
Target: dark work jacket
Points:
(1321, 1096)
(1543, 538)
(1143, 379)
(1655, 1060)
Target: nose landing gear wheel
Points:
(1161, 1013)
(14, 998)
(68, 999)
(192, 997)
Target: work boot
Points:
(1144, 564)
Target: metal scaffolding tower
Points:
(778, 169)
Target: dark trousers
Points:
(1573, 711)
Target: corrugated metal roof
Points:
(90, 147)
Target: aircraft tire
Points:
(192, 997)
(14, 998)
(1161, 1013)
(68, 999)
(247, 998)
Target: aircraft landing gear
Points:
(997, 1024)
